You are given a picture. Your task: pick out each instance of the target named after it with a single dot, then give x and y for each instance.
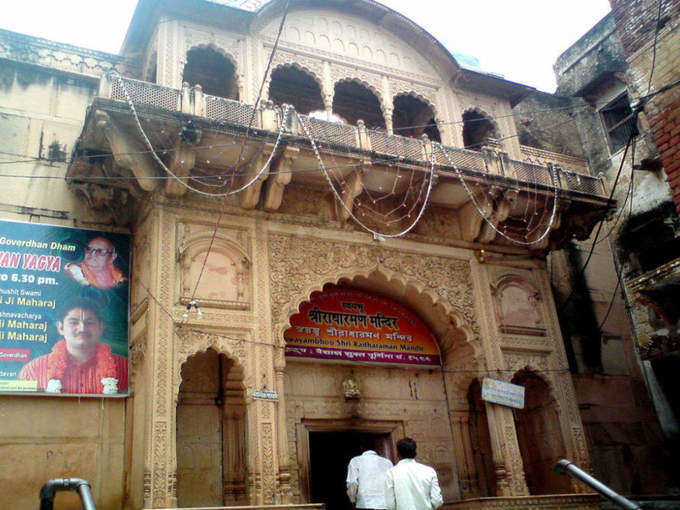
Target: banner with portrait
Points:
(63, 310)
(352, 325)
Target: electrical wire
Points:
(656, 37)
(178, 328)
(599, 228)
(215, 146)
(284, 118)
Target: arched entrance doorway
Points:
(211, 432)
(539, 436)
(344, 399)
(483, 483)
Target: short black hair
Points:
(79, 302)
(366, 443)
(406, 448)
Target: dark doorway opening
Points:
(330, 453)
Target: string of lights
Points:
(283, 118)
(154, 154)
(174, 148)
(486, 218)
(348, 210)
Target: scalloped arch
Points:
(300, 67)
(374, 90)
(447, 324)
(194, 242)
(195, 343)
(212, 46)
(536, 372)
(510, 278)
(429, 102)
(479, 110)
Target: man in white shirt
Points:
(366, 478)
(410, 485)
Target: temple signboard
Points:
(63, 310)
(356, 326)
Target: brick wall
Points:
(636, 21)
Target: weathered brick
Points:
(663, 138)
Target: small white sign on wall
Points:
(265, 395)
(503, 393)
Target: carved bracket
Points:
(127, 152)
(277, 182)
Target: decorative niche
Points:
(517, 306)
(225, 275)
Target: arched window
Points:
(477, 130)
(353, 101)
(293, 86)
(412, 117)
(213, 71)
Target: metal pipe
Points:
(50, 489)
(565, 467)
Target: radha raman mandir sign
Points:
(351, 325)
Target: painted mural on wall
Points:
(351, 325)
(63, 310)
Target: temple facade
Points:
(336, 235)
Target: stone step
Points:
(648, 503)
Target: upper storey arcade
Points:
(357, 60)
(381, 96)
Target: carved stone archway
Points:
(210, 417)
(456, 339)
(189, 344)
(449, 327)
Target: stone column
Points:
(504, 446)
(327, 89)
(170, 59)
(281, 432)
(387, 114)
(160, 457)
(507, 458)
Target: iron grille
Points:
(529, 172)
(583, 183)
(142, 92)
(333, 132)
(462, 158)
(394, 145)
(230, 111)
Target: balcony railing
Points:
(489, 160)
